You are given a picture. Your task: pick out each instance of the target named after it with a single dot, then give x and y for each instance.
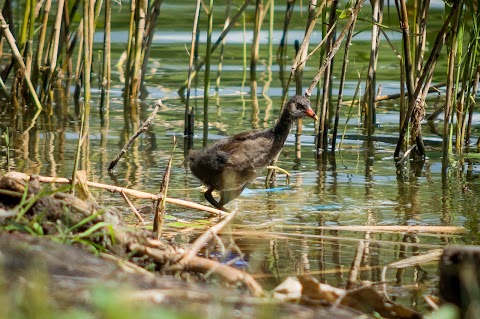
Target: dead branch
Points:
(140, 130)
(163, 254)
(205, 238)
(117, 189)
(199, 264)
(132, 207)
(352, 277)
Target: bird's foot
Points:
(281, 170)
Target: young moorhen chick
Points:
(229, 164)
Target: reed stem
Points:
(222, 46)
(425, 77)
(41, 42)
(450, 97)
(217, 43)
(106, 76)
(189, 112)
(18, 58)
(322, 136)
(343, 73)
(206, 93)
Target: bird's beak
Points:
(312, 114)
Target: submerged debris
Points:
(25, 207)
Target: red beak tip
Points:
(312, 114)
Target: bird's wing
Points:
(246, 152)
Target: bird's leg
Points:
(211, 200)
(282, 171)
(227, 196)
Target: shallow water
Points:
(281, 230)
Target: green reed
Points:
(50, 38)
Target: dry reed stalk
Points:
(407, 54)
(318, 100)
(321, 144)
(52, 64)
(130, 51)
(414, 229)
(256, 39)
(299, 59)
(343, 73)
(28, 50)
(472, 103)
(135, 74)
(152, 17)
(370, 113)
(85, 110)
(425, 76)
(4, 88)
(75, 38)
(161, 203)
(355, 267)
(65, 39)
(189, 116)
(41, 43)
(206, 90)
(78, 67)
(302, 54)
(203, 265)
(206, 236)
(18, 58)
(431, 89)
(216, 44)
(336, 46)
(469, 76)
(282, 48)
(422, 36)
(140, 130)
(349, 238)
(222, 46)
(106, 76)
(450, 97)
(117, 189)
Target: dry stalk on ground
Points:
(89, 216)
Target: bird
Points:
(231, 163)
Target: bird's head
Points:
(299, 106)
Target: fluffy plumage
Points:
(229, 164)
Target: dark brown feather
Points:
(229, 164)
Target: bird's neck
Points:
(282, 127)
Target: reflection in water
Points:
(358, 185)
(253, 95)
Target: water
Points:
(280, 230)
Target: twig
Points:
(335, 48)
(392, 228)
(132, 192)
(140, 130)
(161, 205)
(205, 238)
(224, 33)
(384, 283)
(427, 69)
(132, 207)
(342, 84)
(405, 155)
(18, 57)
(352, 277)
(199, 264)
(189, 124)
